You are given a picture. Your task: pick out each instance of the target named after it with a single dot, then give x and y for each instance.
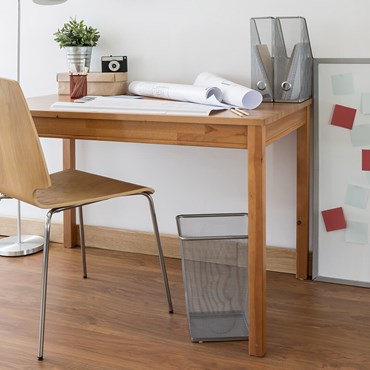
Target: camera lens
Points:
(114, 66)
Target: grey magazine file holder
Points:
(262, 31)
(293, 60)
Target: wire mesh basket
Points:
(214, 265)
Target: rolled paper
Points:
(181, 92)
(233, 93)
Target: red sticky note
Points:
(365, 160)
(343, 116)
(334, 219)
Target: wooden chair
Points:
(24, 176)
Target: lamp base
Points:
(10, 246)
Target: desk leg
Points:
(69, 217)
(303, 196)
(257, 240)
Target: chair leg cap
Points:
(40, 358)
(171, 311)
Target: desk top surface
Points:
(265, 114)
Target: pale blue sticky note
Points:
(342, 84)
(365, 100)
(356, 196)
(357, 232)
(360, 135)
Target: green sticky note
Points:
(357, 232)
(357, 196)
(360, 135)
(342, 84)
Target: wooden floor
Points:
(117, 319)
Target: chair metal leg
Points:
(160, 251)
(82, 241)
(45, 263)
(44, 284)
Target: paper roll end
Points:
(252, 99)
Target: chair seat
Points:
(73, 187)
(24, 176)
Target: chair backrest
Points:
(22, 164)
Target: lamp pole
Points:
(21, 245)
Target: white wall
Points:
(172, 41)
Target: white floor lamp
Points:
(21, 245)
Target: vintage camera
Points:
(114, 64)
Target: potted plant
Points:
(78, 40)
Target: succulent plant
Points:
(76, 33)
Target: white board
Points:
(341, 212)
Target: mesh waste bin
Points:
(214, 265)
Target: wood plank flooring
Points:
(117, 319)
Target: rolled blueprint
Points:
(234, 94)
(209, 95)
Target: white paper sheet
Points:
(104, 104)
(188, 93)
(238, 95)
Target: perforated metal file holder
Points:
(214, 265)
(293, 60)
(262, 79)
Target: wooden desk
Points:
(268, 123)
